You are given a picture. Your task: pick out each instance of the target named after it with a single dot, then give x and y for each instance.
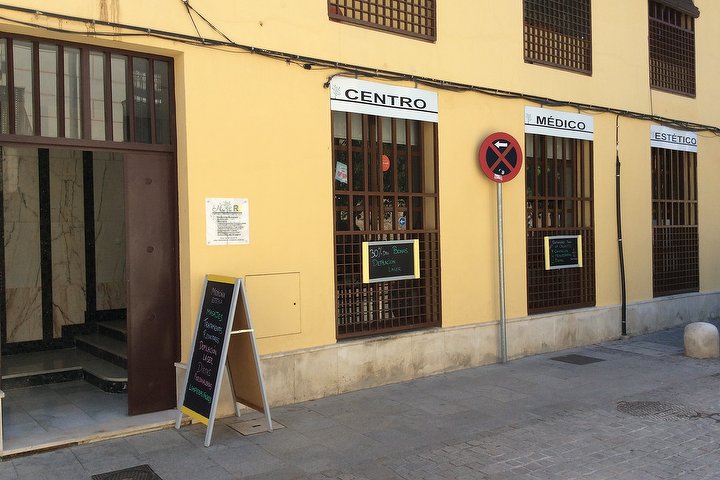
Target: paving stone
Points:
(530, 419)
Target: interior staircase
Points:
(99, 357)
(108, 344)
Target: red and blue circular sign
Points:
(500, 157)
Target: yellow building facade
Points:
(249, 108)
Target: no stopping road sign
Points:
(500, 157)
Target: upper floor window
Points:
(558, 34)
(414, 18)
(672, 45)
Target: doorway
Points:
(90, 263)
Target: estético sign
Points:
(556, 123)
(671, 139)
(360, 96)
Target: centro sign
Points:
(556, 123)
(671, 139)
(360, 96)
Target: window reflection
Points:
(162, 102)
(118, 68)
(48, 90)
(73, 125)
(97, 96)
(4, 103)
(22, 74)
(141, 68)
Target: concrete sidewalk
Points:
(633, 409)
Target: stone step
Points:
(105, 347)
(116, 329)
(53, 366)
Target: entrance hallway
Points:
(85, 233)
(71, 412)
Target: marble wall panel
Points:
(312, 381)
(21, 234)
(24, 314)
(20, 185)
(68, 273)
(356, 366)
(109, 231)
(68, 307)
(111, 295)
(68, 254)
(22, 255)
(66, 187)
(462, 347)
(67, 229)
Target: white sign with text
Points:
(671, 139)
(556, 123)
(227, 221)
(359, 96)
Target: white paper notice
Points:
(227, 221)
(341, 172)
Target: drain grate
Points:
(141, 472)
(577, 359)
(658, 410)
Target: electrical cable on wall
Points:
(618, 213)
(309, 63)
(187, 7)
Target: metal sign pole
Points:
(501, 160)
(501, 261)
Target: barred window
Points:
(674, 222)
(558, 34)
(559, 201)
(672, 49)
(414, 18)
(385, 177)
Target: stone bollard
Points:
(702, 340)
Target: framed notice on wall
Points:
(390, 260)
(563, 251)
(227, 221)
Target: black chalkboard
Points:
(390, 260)
(563, 251)
(209, 351)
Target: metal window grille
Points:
(415, 18)
(558, 33)
(672, 49)
(559, 201)
(385, 188)
(675, 222)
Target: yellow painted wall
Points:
(709, 220)
(636, 196)
(258, 128)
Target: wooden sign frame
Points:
(247, 384)
(548, 260)
(366, 261)
(239, 349)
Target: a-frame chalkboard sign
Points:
(224, 336)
